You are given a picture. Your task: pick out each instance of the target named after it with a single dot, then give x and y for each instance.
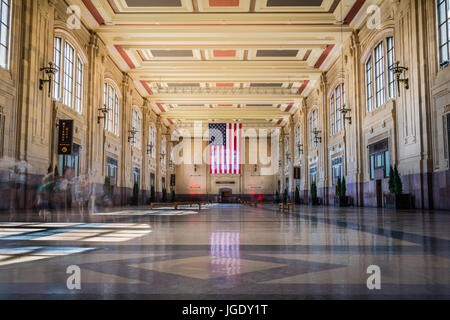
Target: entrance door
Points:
(379, 191)
(226, 195)
(448, 136)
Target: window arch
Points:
(68, 81)
(136, 122)
(380, 82)
(443, 13)
(312, 127)
(5, 32)
(111, 100)
(337, 102)
(152, 140)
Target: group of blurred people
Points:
(60, 195)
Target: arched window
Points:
(5, 17)
(337, 102)
(136, 124)
(380, 83)
(112, 103)
(152, 140)
(312, 127)
(443, 9)
(68, 80)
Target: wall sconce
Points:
(149, 148)
(256, 168)
(317, 138)
(162, 156)
(279, 163)
(103, 111)
(344, 111)
(49, 71)
(398, 71)
(288, 156)
(195, 168)
(300, 148)
(170, 164)
(132, 135)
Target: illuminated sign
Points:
(65, 136)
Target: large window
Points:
(57, 60)
(443, 8)
(390, 62)
(70, 74)
(5, 15)
(337, 102)
(152, 140)
(111, 170)
(312, 127)
(369, 83)
(379, 76)
(380, 82)
(111, 99)
(136, 123)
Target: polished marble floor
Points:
(227, 252)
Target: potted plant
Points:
(314, 199)
(173, 195)
(396, 199)
(297, 195)
(341, 198)
(164, 195)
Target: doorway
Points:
(379, 192)
(225, 195)
(448, 137)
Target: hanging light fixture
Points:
(49, 71)
(398, 71)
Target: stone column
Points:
(322, 165)
(292, 155)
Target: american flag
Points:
(225, 148)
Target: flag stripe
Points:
(225, 148)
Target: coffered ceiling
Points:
(241, 60)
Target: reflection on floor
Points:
(228, 250)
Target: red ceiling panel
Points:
(224, 3)
(224, 53)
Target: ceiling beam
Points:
(203, 113)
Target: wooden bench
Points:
(286, 206)
(176, 204)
